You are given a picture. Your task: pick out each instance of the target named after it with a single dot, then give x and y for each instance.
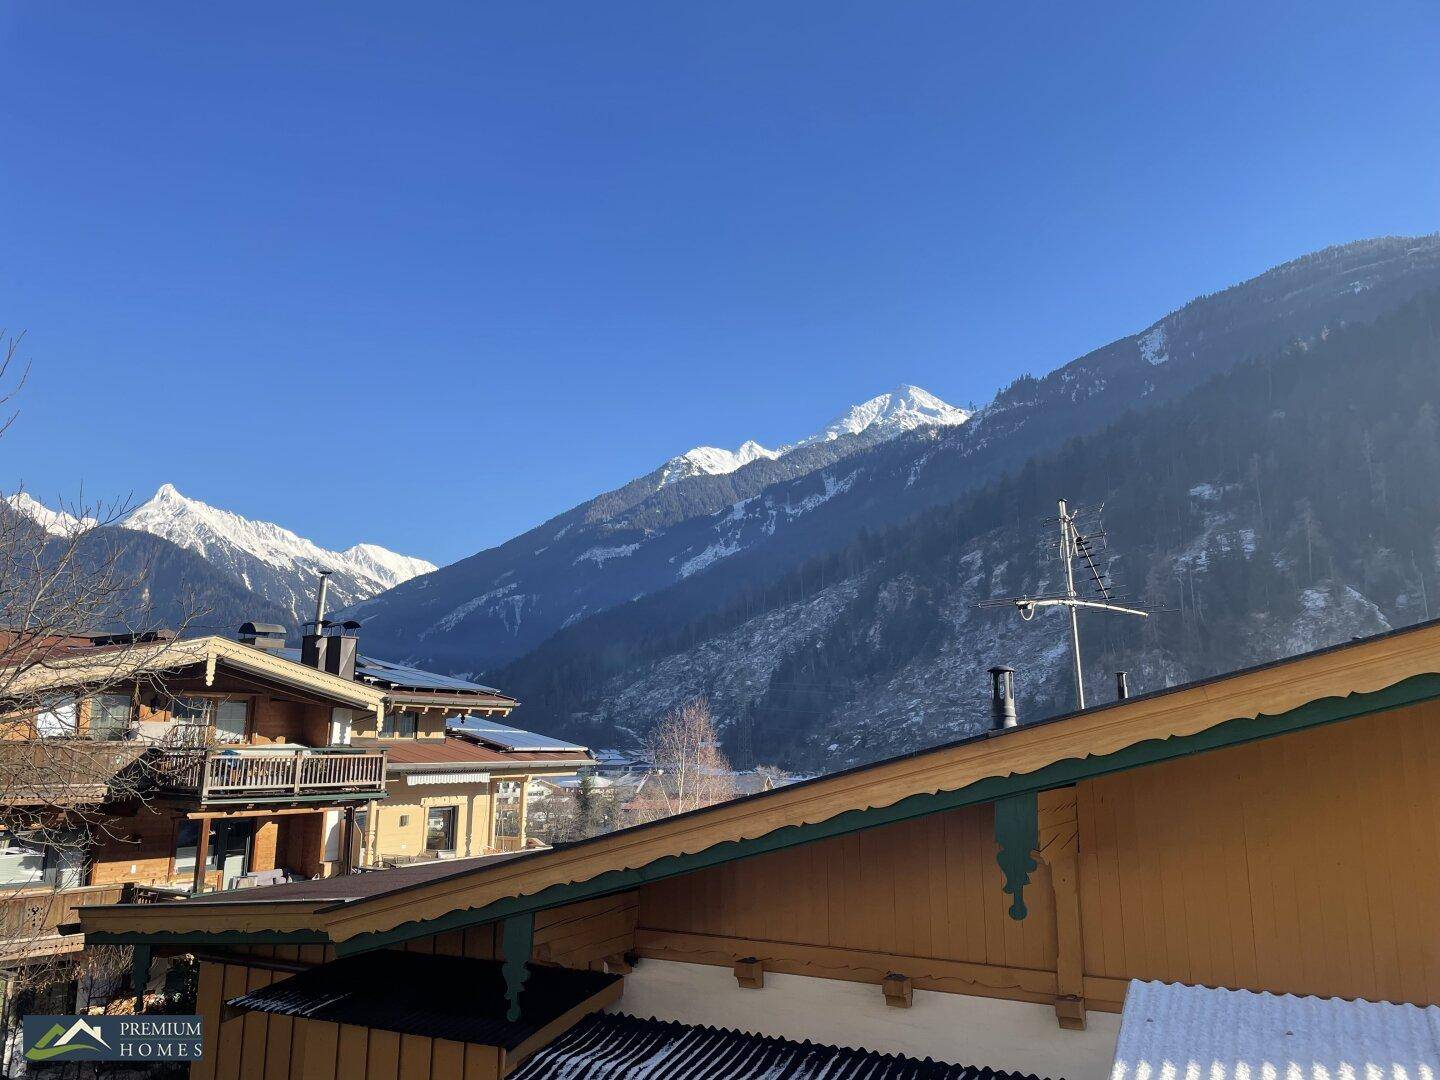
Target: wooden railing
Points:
(234, 772)
(30, 918)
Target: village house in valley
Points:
(209, 764)
(995, 903)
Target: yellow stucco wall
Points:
(407, 804)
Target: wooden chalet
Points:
(211, 764)
(986, 902)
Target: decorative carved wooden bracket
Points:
(1017, 835)
(517, 939)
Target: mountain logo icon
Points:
(80, 1039)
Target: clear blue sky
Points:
(506, 256)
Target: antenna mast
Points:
(1073, 545)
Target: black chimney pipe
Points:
(1002, 701)
(1122, 686)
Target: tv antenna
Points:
(1082, 546)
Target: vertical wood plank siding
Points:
(924, 888)
(282, 1048)
(1307, 864)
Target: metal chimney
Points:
(313, 644)
(1002, 701)
(1122, 686)
(320, 598)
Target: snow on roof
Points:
(1169, 1029)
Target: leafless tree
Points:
(690, 769)
(61, 584)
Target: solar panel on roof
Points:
(415, 678)
(509, 738)
(402, 675)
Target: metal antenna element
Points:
(1073, 545)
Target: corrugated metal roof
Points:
(615, 1046)
(450, 997)
(1169, 1029)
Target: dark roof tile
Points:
(463, 999)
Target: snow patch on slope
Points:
(601, 555)
(1152, 347)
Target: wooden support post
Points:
(140, 973)
(619, 964)
(347, 841)
(202, 854)
(750, 973)
(517, 940)
(1059, 831)
(899, 990)
(524, 808)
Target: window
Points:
(230, 717)
(110, 716)
(440, 828)
(196, 715)
(42, 858)
(404, 821)
(56, 717)
(398, 725)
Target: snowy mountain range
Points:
(883, 417)
(267, 560)
(641, 537)
(57, 522)
(1267, 457)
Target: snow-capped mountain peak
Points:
(384, 564)
(55, 522)
(713, 461)
(269, 559)
(903, 409)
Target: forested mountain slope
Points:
(1288, 502)
(707, 540)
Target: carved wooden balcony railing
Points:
(30, 918)
(244, 773)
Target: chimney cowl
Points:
(1002, 699)
(261, 635)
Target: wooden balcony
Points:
(250, 774)
(30, 918)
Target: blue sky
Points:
(505, 256)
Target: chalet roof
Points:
(1227, 1034)
(408, 685)
(607, 1045)
(1348, 680)
(74, 668)
(453, 751)
(464, 998)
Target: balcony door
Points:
(232, 841)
